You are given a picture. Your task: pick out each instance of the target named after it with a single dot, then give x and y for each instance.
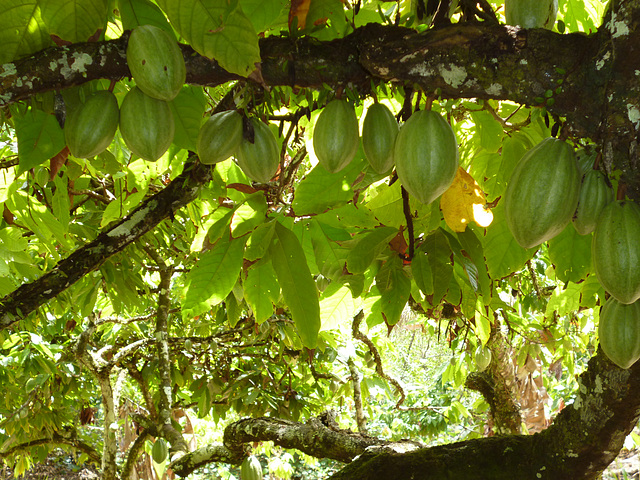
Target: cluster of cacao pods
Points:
(424, 150)
(253, 144)
(545, 192)
(145, 118)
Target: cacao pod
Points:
(156, 62)
(615, 249)
(219, 137)
(426, 155)
(531, 13)
(595, 194)
(619, 332)
(259, 160)
(251, 469)
(91, 126)
(159, 451)
(146, 125)
(336, 136)
(379, 131)
(482, 357)
(542, 194)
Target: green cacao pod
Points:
(619, 332)
(379, 132)
(482, 357)
(91, 126)
(219, 137)
(336, 136)
(251, 469)
(159, 451)
(156, 62)
(146, 125)
(426, 155)
(615, 250)
(595, 194)
(531, 13)
(259, 160)
(542, 194)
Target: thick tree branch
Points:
(583, 440)
(28, 297)
(461, 61)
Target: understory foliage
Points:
(315, 293)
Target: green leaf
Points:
(188, 109)
(488, 131)
(482, 323)
(394, 286)
(259, 241)
(61, 204)
(22, 30)
(249, 215)
(472, 247)
(330, 255)
(570, 252)
(39, 138)
(213, 277)
(261, 290)
(504, 255)
(421, 270)
(75, 20)
(565, 301)
(385, 202)
(35, 215)
(263, 13)
(368, 247)
(142, 12)
(493, 170)
(298, 288)
(439, 255)
(336, 305)
(217, 29)
(320, 190)
(327, 13)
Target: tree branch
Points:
(29, 297)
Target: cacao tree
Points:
(224, 246)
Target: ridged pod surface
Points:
(482, 357)
(159, 450)
(542, 193)
(595, 194)
(531, 13)
(336, 136)
(251, 469)
(619, 332)
(219, 137)
(259, 160)
(615, 250)
(91, 127)
(146, 125)
(426, 155)
(379, 131)
(156, 62)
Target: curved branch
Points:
(28, 297)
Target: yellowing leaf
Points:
(464, 201)
(299, 10)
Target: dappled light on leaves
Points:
(463, 202)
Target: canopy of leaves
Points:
(140, 299)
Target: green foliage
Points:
(266, 279)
